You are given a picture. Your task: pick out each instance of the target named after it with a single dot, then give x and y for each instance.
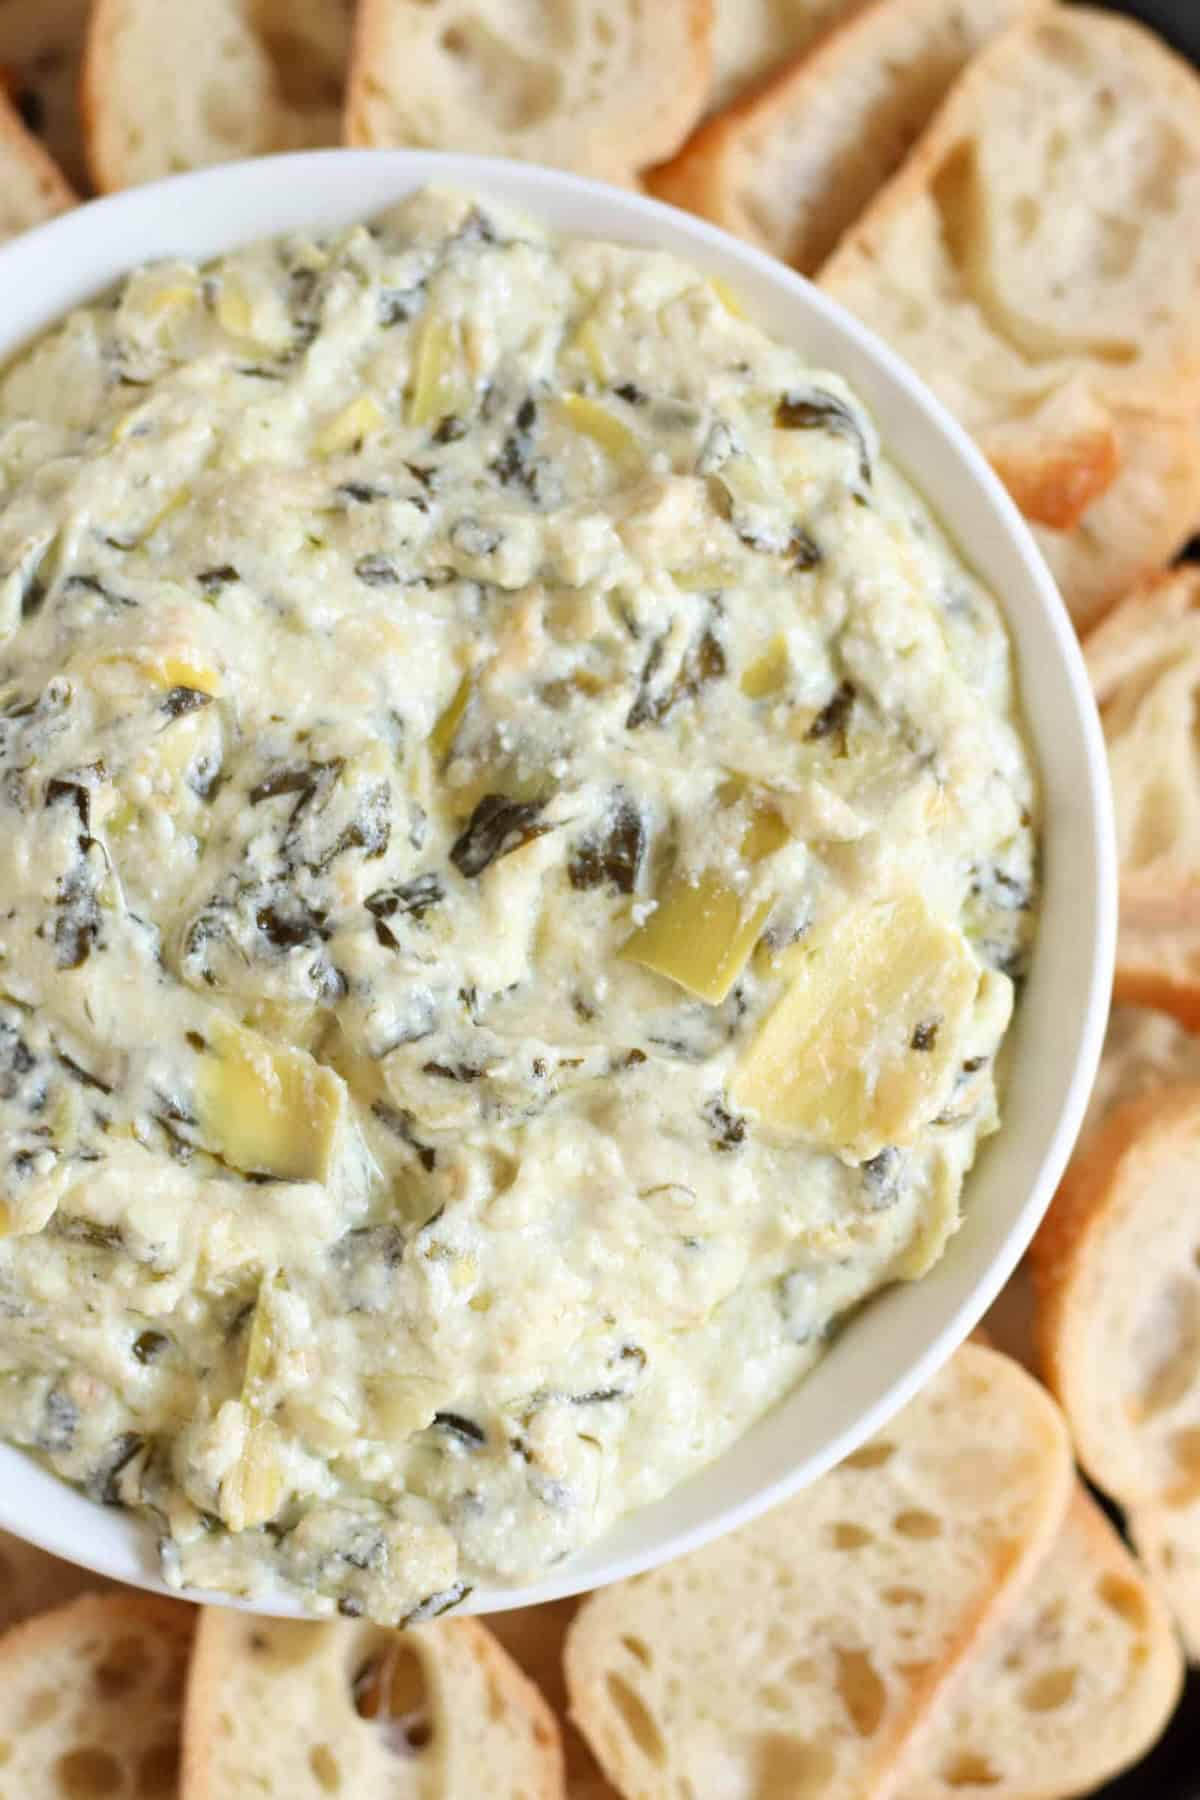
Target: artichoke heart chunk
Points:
(266, 1108)
(703, 929)
(864, 1045)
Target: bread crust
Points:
(53, 193)
(703, 177)
(1056, 470)
(1081, 1249)
(1135, 659)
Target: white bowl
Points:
(902, 1337)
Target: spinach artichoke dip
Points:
(516, 847)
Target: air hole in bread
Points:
(518, 94)
(390, 1690)
(1050, 1691)
(968, 1769)
(870, 1456)
(636, 1648)
(915, 1523)
(1027, 216)
(40, 1708)
(637, 1719)
(123, 1668)
(1185, 1448)
(326, 1768)
(88, 1774)
(1124, 1598)
(777, 1699)
(860, 1690)
(158, 1772)
(803, 1669)
(902, 1596)
(845, 1535)
(788, 1765)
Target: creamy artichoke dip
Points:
(516, 847)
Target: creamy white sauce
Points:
(392, 630)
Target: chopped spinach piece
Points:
(148, 1346)
(434, 1605)
(496, 828)
(631, 393)
(60, 1422)
(612, 857)
(450, 429)
(377, 571)
(834, 715)
(461, 1427)
(213, 580)
(704, 662)
(729, 1129)
(924, 1036)
(103, 1481)
(413, 898)
(179, 701)
(821, 411)
(399, 1121)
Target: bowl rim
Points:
(76, 255)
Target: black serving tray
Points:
(1172, 1770)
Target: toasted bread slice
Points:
(799, 1655)
(534, 1637)
(1116, 1266)
(90, 1698)
(169, 86)
(792, 166)
(1138, 525)
(621, 88)
(1159, 966)
(751, 38)
(1027, 259)
(1144, 663)
(1075, 1690)
(41, 49)
(33, 189)
(31, 1581)
(1167, 1538)
(290, 1709)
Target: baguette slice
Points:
(90, 1698)
(1075, 1690)
(31, 1581)
(1160, 967)
(1167, 1538)
(1033, 258)
(1138, 525)
(169, 86)
(1144, 664)
(1117, 1272)
(534, 1637)
(753, 37)
(32, 189)
(799, 1655)
(792, 166)
(620, 90)
(292, 1710)
(41, 48)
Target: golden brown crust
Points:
(95, 81)
(1057, 488)
(1159, 966)
(54, 190)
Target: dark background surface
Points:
(1172, 1771)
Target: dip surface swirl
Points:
(516, 847)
